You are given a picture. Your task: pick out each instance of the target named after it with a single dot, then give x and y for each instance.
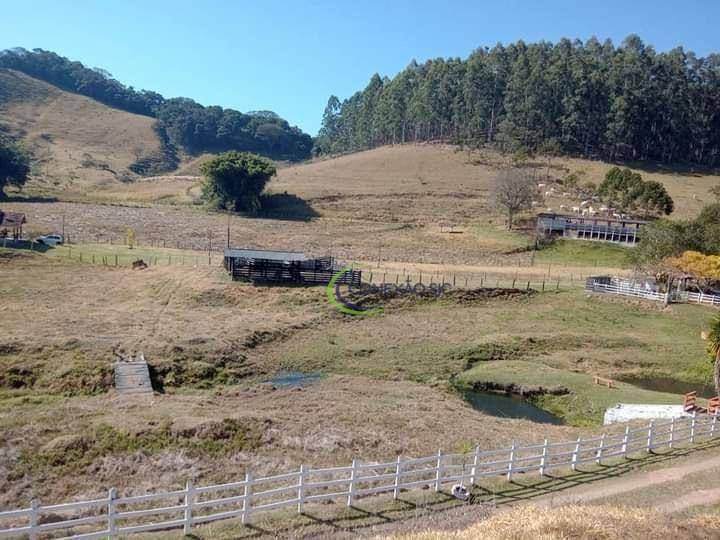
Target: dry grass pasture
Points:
(387, 383)
(76, 142)
(391, 384)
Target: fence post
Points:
(34, 505)
(543, 458)
(351, 490)
(396, 491)
(476, 459)
(301, 489)
(712, 424)
(601, 447)
(247, 492)
(511, 461)
(438, 471)
(189, 496)
(692, 427)
(625, 441)
(672, 432)
(111, 527)
(573, 461)
(651, 428)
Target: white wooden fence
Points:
(628, 288)
(700, 298)
(113, 516)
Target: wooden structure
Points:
(285, 267)
(624, 231)
(603, 381)
(133, 376)
(690, 405)
(11, 224)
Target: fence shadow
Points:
(523, 488)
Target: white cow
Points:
(584, 204)
(540, 186)
(576, 209)
(563, 207)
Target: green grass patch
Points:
(584, 253)
(73, 452)
(586, 403)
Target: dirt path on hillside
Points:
(612, 488)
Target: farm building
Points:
(284, 267)
(11, 224)
(625, 231)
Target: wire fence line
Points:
(89, 254)
(113, 515)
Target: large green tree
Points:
(597, 100)
(235, 180)
(14, 164)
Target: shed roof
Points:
(595, 218)
(265, 254)
(11, 220)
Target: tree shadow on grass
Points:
(286, 206)
(17, 198)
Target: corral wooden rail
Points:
(623, 288)
(113, 516)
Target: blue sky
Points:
(289, 56)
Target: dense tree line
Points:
(188, 124)
(588, 99)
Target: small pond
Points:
(672, 386)
(294, 378)
(508, 406)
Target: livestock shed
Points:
(621, 231)
(259, 265)
(11, 224)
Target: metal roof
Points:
(596, 218)
(265, 254)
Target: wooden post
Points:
(189, 496)
(116, 259)
(672, 432)
(651, 428)
(511, 462)
(625, 441)
(247, 492)
(438, 471)
(575, 453)
(543, 458)
(476, 459)
(111, 526)
(598, 458)
(351, 490)
(34, 506)
(712, 424)
(301, 489)
(396, 491)
(692, 427)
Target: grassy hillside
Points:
(455, 182)
(76, 141)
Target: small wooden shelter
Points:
(259, 265)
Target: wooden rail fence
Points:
(628, 288)
(113, 515)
